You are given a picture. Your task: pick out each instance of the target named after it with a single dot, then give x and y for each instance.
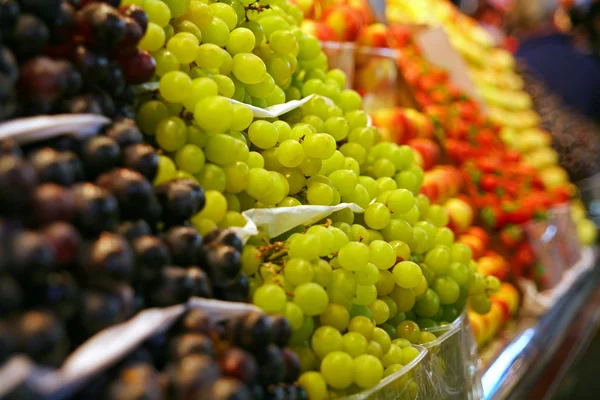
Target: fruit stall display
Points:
(148, 212)
(504, 200)
(494, 72)
(191, 247)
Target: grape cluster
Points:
(244, 358)
(86, 241)
(70, 56)
(253, 52)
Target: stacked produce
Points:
(70, 57)
(87, 241)
(244, 357)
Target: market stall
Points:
(279, 200)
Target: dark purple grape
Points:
(133, 192)
(32, 256)
(190, 343)
(181, 199)
(84, 104)
(193, 376)
(71, 159)
(125, 132)
(101, 26)
(237, 290)
(185, 244)
(52, 167)
(100, 154)
(196, 321)
(106, 102)
(60, 293)
(29, 37)
(240, 365)
(292, 366)
(139, 381)
(229, 389)
(281, 330)
(137, 14)
(96, 209)
(110, 256)
(177, 285)
(114, 81)
(65, 241)
(272, 365)
(100, 310)
(64, 25)
(42, 337)
(222, 263)
(141, 158)
(9, 13)
(51, 202)
(18, 179)
(251, 332)
(93, 66)
(224, 236)
(132, 230)
(151, 255)
(133, 35)
(11, 296)
(137, 67)
(47, 10)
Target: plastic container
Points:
(405, 384)
(378, 79)
(451, 363)
(538, 302)
(544, 239)
(589, 189)
(568, 240)
(341, 55)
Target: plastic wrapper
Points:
(269, 112)
(273, 222)
(536, 302)
(451, 364)
(28, 130)
(341, 55)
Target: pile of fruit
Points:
(61, 57)
(96, 229)
(87, 241)
(244, 357)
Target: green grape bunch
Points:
(359, 289)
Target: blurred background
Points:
(559, 41)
